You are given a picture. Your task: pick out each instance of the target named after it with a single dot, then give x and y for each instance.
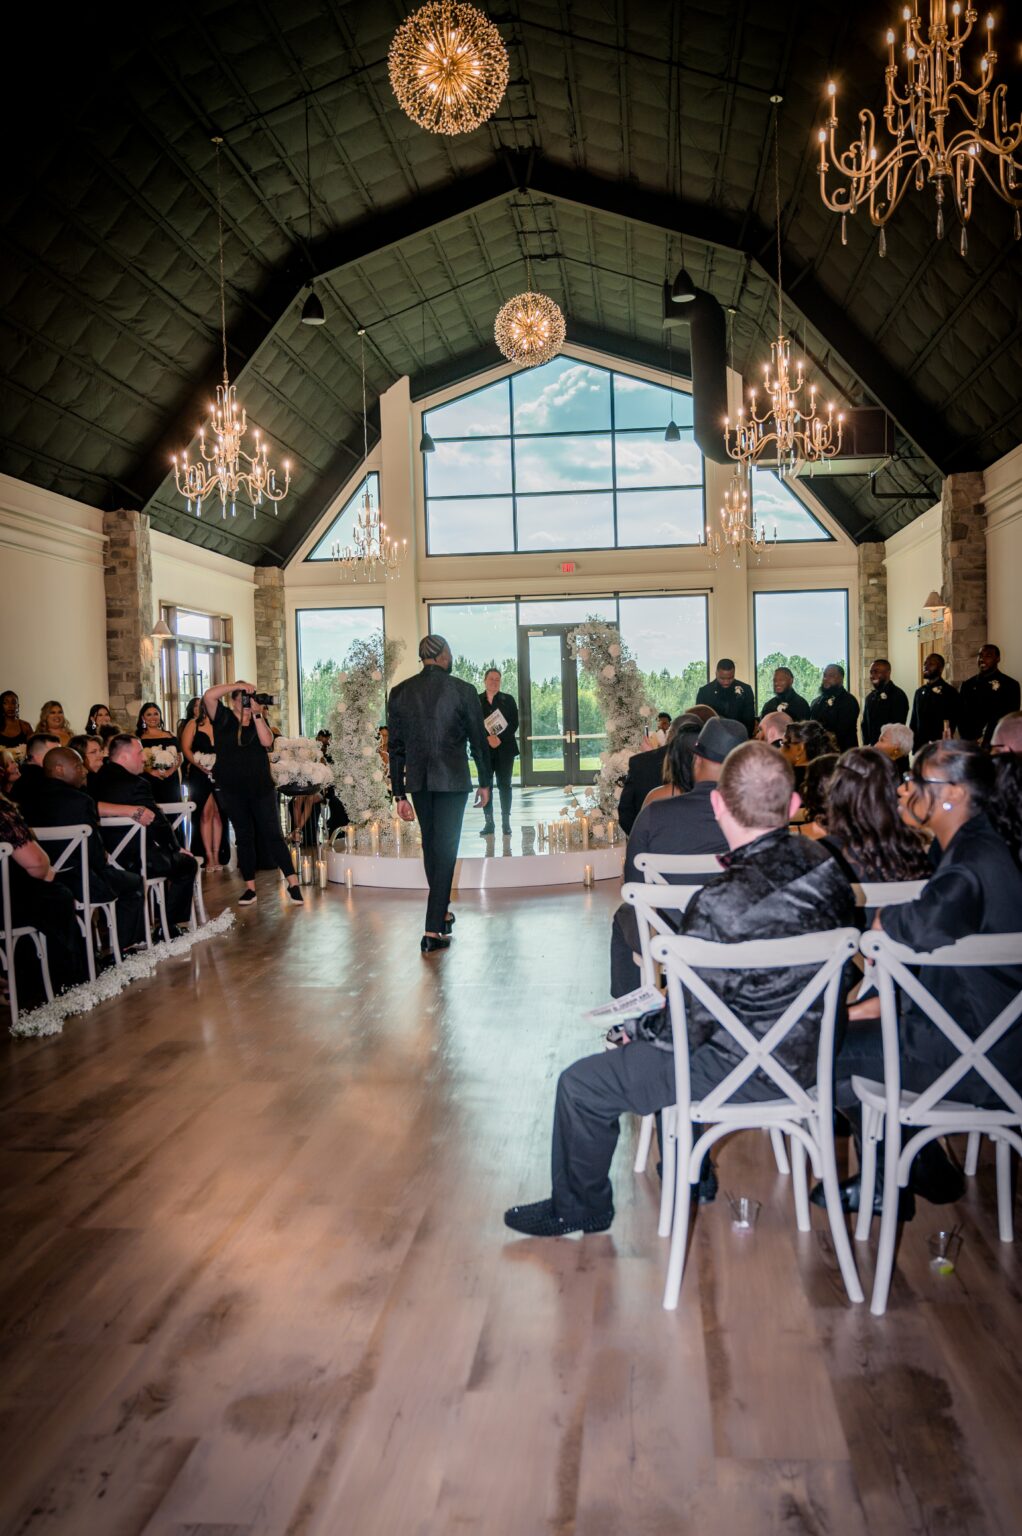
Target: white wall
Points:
(53, 610)
(1004, 558)
(197, 578)
(913, 572)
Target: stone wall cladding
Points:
(271, 639)
(964, 568)
(872, 611)
(128, 584)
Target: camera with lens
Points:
(248, 699)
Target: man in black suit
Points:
(682, 824)
(431, 717)
(645, 772)
(732, 700)
(884, 705)
(503, 745)
(57, 799)
(784, 699)
(836, 709)
(121, 781)
(31, 774)
(986, 698)
(935, 705)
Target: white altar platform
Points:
(502, 871)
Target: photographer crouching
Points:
(243, 741)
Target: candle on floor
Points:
(306, 869)
(349, 878)
(374, 837)
(321, 874)
(585, 833)
(397, 835)
(587, 876)
(294, 857)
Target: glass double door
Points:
(561, 733)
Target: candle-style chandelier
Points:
(789, 428)
(223, 467)
(945, 127)
(529, 329)
(372, 553)
(448, 67)
(739, 530)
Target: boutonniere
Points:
(781, 707)
(884, 697)
(937, 688)
(830, 703)
(995, 684)
(738, 693)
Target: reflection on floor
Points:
(527, 807)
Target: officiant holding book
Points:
(500, 721)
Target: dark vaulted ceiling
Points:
(110, 346)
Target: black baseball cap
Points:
(719, 737)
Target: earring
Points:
(946, 804)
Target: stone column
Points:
(271, 639)
(964, 566)
(872, 612)
(128, 582)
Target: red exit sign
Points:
(567, 567)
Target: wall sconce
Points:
(162, 630)
(934, 602)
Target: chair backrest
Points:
(131, 829)
(654, 867)
(6, 918)
(825, 953)
(887, 893)
(649, 902)
(179, 813)
(897, 966)
(76, 843)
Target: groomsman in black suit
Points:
(732, 700)
(986, 698)
(503, 744)
(835, 708)
(935, 705)
(884, 705)
(784, 699)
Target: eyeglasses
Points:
(910, 778)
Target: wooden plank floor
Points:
(255, 1280)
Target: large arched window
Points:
(566, 456)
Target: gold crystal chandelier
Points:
(372, 553)
(529, 329)
(448, 67)
(223, 468)
(945, 127)
(789, 428)
(738, 527)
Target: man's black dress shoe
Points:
(541, 1220)
(429, 943)
(487, 832)
(449, 922)
(851, 1191)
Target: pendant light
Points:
(312, 310)
(683, 289)
(673, 432)
(426, 443)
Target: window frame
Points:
(221, 645)
(613, 489)
(379, 608)
(759, 592)
(369, 474)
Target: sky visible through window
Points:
(800, 630)
(777, 506)
(325, 636)
(340, 529)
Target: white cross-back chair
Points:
(155, 885)
(887, 1111)
(655, 867)
(179, 813)
(76, 845)
(11, 935)
(887, 893)
(804, 1115)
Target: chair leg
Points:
(888, 1219)
(669, 1155)
(198, 904)
(43, 955)
(972, 1154)
(836, 1217)
(872, 1130)
(1005, 1222)
(780, 1151)
(85, 923)
(110, 908)
(645, 1139)
(682, 1206)
(799, 1185)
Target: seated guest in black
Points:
(935, 705)
(784, 698)
(645, 772)
(732, 700)
(36, 749)
(957, 792)
(885, 704)
(684, 824)
(59, 800)
(682, 735)
(835, 708)
(805, 741)
(986, 698)
(865, 830)
(121, 781)
(39, 901)
(774, 886)
(772, 728)
(1007, 736)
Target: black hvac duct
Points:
(708, 349)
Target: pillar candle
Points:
(306, 876)
(321, 874)
(349, 877)
(587, 876)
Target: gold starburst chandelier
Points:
(223, 468)
(448, 67)
(372, 553)
(947, 122)
(529, 329)
(789, 427)
(738, 527)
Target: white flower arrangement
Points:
(205, 760)
(161, 757)
(605, 657)
(297, 763)
(359, 708)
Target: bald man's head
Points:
(63, 764)
(1007, 735)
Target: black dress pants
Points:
(503, 770)
(441, 813)
(592, 1095)
(625, 975)
(253, 815)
